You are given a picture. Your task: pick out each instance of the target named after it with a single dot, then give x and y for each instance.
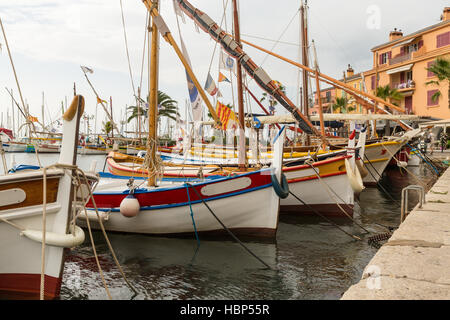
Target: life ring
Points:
(354, 177)
(281, 190)
(108, 141)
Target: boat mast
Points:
(304, 37)
(319, 100)
(153, 94)
(242, 156)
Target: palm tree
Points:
(341, 104)
(387, 93)
(167, 107)
(441, 68)
(107, 127)
(272, 101)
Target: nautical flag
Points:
(99, 101)
(210, 85)
(178, 11)
(86, 69)
(227, 116)
(194, 96)
(32, 119)
(222, 77)
(226, 62)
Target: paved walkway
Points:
(415, 262)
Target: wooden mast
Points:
(304, 37)
(242, 156)
(153, 94)
(319, 100)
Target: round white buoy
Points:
(130, 207)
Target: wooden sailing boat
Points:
(301, 177)
(23, 202)
(246, 204)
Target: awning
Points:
(403, 42)
(400, 69)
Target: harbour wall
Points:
(414, 264)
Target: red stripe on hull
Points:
(27, 286)
(173, 196)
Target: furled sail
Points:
(257, 73)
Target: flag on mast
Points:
(86, 69)
(210, 85)
(178, 11)
(226, 62)
(222, 77)
(194, 96)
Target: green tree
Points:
(272, 101)
(441, 68)
(107, 127)
(167, 107)
(341, 104)
(387, 93)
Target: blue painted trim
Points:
(180, 187)
(113, 176)
(181, 204)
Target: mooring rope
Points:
(331, 192)
(91, 196)
(226, 229)
(322, 216)
(192, 215)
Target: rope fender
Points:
(282, 190)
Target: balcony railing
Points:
(404, 85)
(400, 59)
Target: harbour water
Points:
(310, 259)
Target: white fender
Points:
(402, 164)
(361, 168)
(130, 207)
(56, 239)
(354, 177)
(92, 216)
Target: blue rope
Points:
(420, 156)
(192, 214)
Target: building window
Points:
(430, 101)
(328, 96)
(443, 40)
(384, 58)
(372, 82)
(430, 73)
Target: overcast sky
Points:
(50, 39)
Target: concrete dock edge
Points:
(415, 263)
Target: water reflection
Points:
(311, 258)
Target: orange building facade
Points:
(402, 64)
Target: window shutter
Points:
(402, 77)
(420, 45)
(443, 40)
(402, 50)
(373, 82)
(390, 55)
(430, 74)
(430, 101)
